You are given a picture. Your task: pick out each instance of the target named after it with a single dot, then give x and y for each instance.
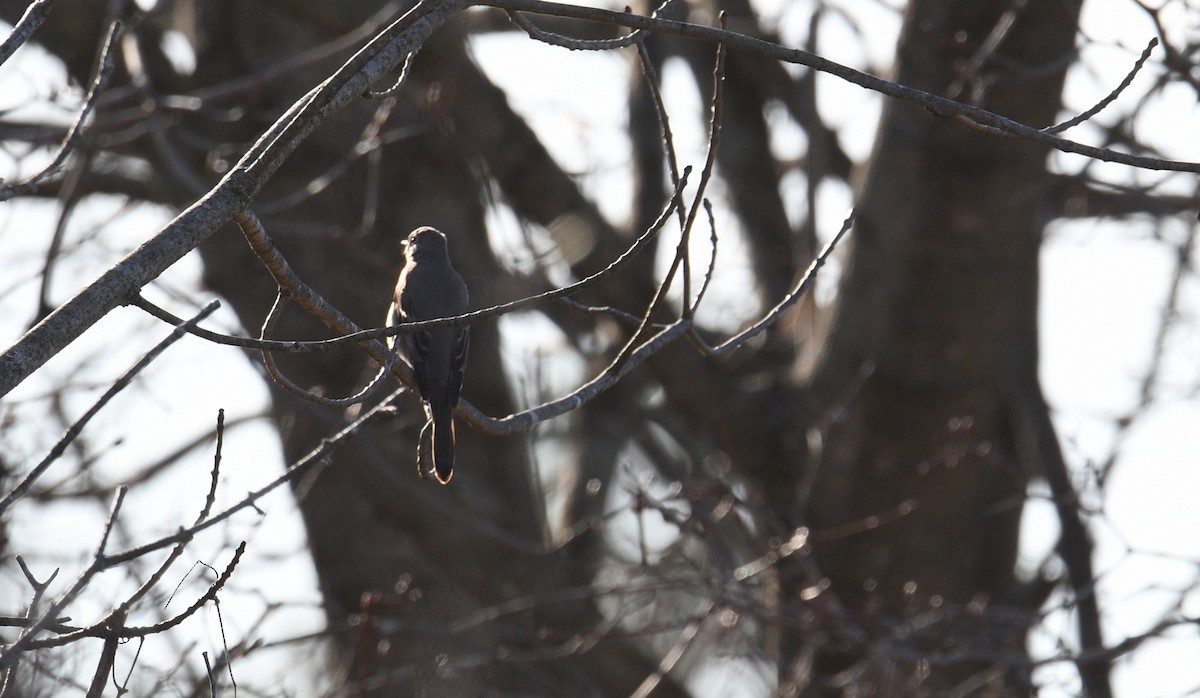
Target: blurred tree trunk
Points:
(934, 340)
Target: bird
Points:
(429, 288)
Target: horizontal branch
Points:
(360, 337)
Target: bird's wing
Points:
(416, 347)
(458, 362)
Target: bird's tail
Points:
(443, 443)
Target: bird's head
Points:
(424, 242)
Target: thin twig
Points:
(215, 475)
(8, 672)
(110, 521)
(615, 313)
(1069, 123)
(664, 125)
(103, 72)
(212, 679)
(569, 43)
(583, 394)
(767, 320)
(686, 638)
(11, 653)
(405, 69)
(357, 336)
(321, 451)
(681, 252)
(287, 384)
(634, 37)
(120, 384)
(712, 256)
(34, 15)
(714, 141)
(123, 609)
(936, 104)
(101, 630)
(69, 196)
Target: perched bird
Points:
(430, 288)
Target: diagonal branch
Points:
(34, 15)
(1111, 97)
(120, 384)
(103, 72)
(802, 287)
(122, 282)
(970, 116)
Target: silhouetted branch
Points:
(234, 193)
(34, 15)
(940, 106)
(120, 384)
(682, 253)
(103, 72)
(1108, 99)
(286, 383)
(802, 287)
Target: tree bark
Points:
(919, 481)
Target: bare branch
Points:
(573, 44)
(404, 71)
(357, 336)
(326, 447)
(682, 255)
(121, 283)
(940, 106)
(1038, 445)
(104, 668)
(1112, 96)
(664, 125)
(34, 15)
(107, 630)
(103, 72)
(801, 288)
(580, 396)
(120, 384)
(712, 255)
(273, 370)
(686, 637)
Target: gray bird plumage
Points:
(430, 288)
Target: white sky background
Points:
(1103, 287)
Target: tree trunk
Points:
(918, 483)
